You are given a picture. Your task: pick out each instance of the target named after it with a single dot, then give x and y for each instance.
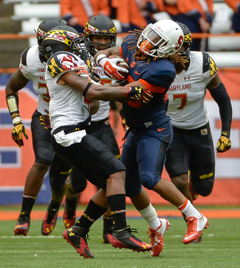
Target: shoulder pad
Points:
(24, 57)
(209, 64)
(61, 62)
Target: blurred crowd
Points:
(136, 14)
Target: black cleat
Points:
(107, 236)
(124, 239)
(77, 237)
(23, 224)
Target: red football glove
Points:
(110, 67)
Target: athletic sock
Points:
(150, 215)
(117, 204)
(27, 203)
(90, 215)
(189, 210)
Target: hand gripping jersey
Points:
(155, 75)
(67, 106)
(186, 94)
(104, 108)
(33, 69)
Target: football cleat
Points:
(195, 228)
(107, 235)
(77, 237)
(107, 229)
(125, 239)
(198, 240)
(157, 237)
(69, 217)
(49, 220)
(23, 224)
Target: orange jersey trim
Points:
(152, 88)
(121, 53)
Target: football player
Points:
(100, 33)
(152, 55)
(32, 67)
(72, 92)
(192, 150)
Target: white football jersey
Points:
(67, 106)
(104, 108)
(187, 108)
(33, 69)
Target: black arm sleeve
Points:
(222, 98)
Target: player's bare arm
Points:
(16, 82)
(108, 52)
(99, 92)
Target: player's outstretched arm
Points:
(16, 82)
(99, 92)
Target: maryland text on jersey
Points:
(61, 62)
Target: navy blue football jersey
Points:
(156, 75)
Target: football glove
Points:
(18, 132)
(223, 143)
(110, 67)
(45, 121)
(139, 93)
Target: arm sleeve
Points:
(222, 98)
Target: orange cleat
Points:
(157, 237)
(195, 228)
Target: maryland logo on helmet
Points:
(62, 36)
(188, 38)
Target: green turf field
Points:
(220, 247)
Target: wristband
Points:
(225, 134)
(16, 120)
(100, 57)
(86, 89)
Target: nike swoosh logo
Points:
(137, 73)
(160, 129)
(190, 236)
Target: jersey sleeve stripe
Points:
(24, 57)
(154, 89)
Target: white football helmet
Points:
(163, 38)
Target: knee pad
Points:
(133, 188)
(133, 191)
(58, 179)
(77, 181)
(203, 187)
(148, 181)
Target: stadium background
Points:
(23, 17)
(15, 162)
